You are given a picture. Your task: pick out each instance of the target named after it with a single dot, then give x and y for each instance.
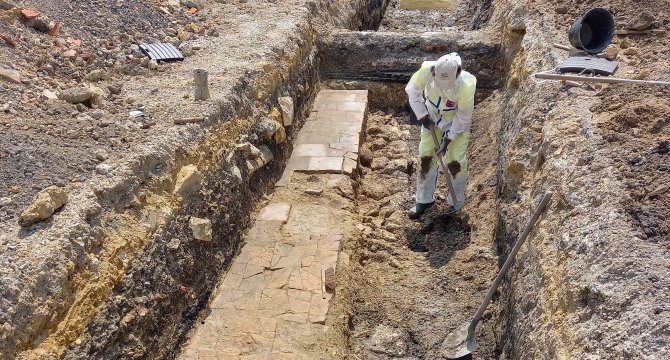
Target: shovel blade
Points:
(458, 344)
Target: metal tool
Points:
(462, 341)
(446, 172)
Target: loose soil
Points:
(412, 282)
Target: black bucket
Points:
(594, 32)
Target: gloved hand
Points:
(444, 145)
(426, 122)
(454, 167)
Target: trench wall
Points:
(578, 289)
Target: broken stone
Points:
(10, 75)
(280, 134)
(366, 156)
(630, 51)
(188, 180)
(644, 22)
(173, 244)
(103, 169)
(329, 279)
(626, 43)
(75, 95)
(287, 110)
(611, 53)
(191, 4)
(258, 158)
(49, 95)
(70, 54)
(314, 192)
(201, 228)
(659, 191)
(43, 206)
(237, 173)
(642, 74)
(29, 14)
(115, 88)
(388, 341)
(97, 114)
(6, 5)
(5, 201)
(39, 24)
(100, 155)
(96, 75)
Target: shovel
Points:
(446, 172)
(462, 341)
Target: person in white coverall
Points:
(443, 94)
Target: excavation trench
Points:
(138, 283)
(408, 283)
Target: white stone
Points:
(287, 110)
(10, 75)
(201, 228)
(188, 180)
(43, 206)
(49, 95)
(103, 169)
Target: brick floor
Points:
(333, 129)
(270, 303)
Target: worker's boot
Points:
(419, 209)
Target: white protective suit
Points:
(451, 110)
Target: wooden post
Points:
(201, 84)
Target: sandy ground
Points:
(413, 282)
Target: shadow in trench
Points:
(440, 236)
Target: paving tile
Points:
(269, 304)
(225, 299)
(349, 166)
(310, 280)
(280, 278)
(189, 354)
(325, 164)
(307, 261)
(274, 299)
(319, 308)
(311, 137)
(350, 146)
(309, 150)
(275, 212)
(302, 317)
(230, 281)
(295, 280)
(264, 233)
(328, 242)
(340, 116)
(352, 106)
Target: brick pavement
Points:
(271, 303)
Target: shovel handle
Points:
(446, 172)
(508, 263)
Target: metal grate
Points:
(162, 52)
(578, 64)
